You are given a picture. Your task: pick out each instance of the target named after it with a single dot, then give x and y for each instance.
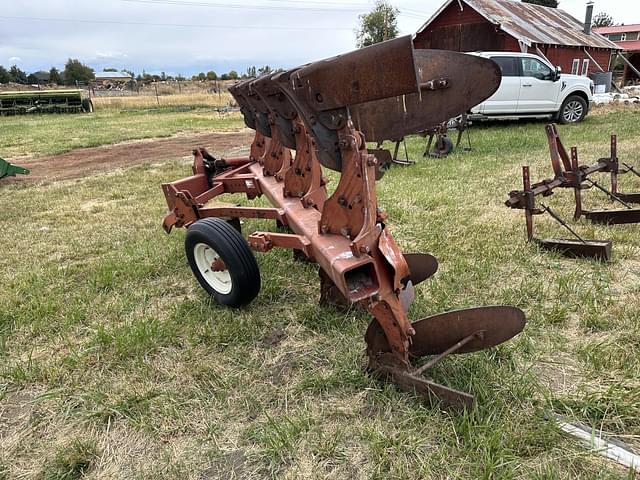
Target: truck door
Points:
(539, 89)
(505, 100)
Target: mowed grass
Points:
(115, 364)
(50, 134)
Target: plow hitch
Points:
(321, 115)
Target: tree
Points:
(201, 76)
(17, 75)
(233, 75)
(602, 20)
(75, 72)
(54, 76)
(32, 79)
(4, 75)
(544, 3)
(211, 75)
(378, 25)
(109, 69)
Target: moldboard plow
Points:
(325, 111)
(568, 173)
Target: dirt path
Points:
(89, 161)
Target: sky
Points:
(189, 36)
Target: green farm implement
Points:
(9, 170)
(44, 101)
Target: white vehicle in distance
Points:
(532, 88)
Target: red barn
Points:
(627, 37)
(505, 25)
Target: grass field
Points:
(151, 101)
(115, 364)
(36, 135)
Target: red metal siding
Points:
(564, 56)
(450, 17)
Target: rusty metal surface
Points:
(437, 333)
(380, 71)
(613, 217)
(421, 265)
(598, 249)
(471, 80)
(534, 24)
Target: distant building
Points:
(505, 25)
(627, 37)
(42, 77)
(113, 77)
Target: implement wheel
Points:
(222, 262)
(87, 105)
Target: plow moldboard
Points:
(436, 334)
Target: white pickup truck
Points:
(531, 87)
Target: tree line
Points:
(76, 72)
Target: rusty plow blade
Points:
(460, 331)
(421, 265)
(388, 90)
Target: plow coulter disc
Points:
(436, 334)
(421, 265)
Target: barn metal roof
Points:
(123, 75)
(532, 24)
(618, 29)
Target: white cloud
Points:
(111, 55)
(15, 59)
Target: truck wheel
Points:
(573, 110)
(222, 262)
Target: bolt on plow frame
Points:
(568, 173)
(324, 111)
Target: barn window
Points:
(585, 67)
(575, 67)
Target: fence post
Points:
(155, 85)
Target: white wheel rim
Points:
(205, 257)
(573, 111)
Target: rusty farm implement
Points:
(568, 173)
(324, 111)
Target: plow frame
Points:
(321, 111)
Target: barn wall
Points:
(564, 56)
(462, 31)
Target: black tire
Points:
(87, 105)
(212, 238)
(573, 110)
(443, 146)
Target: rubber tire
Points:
(443, 149)
(87, 105)
(572, 98)
(234, 252)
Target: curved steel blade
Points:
(471, 80)
(421, 266)
(436, 334)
